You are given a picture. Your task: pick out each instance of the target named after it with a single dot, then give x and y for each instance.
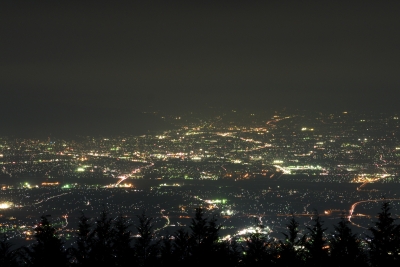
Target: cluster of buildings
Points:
(248, 169)
(341, 147)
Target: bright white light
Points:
(5, 205)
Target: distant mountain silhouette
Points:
(66, 121)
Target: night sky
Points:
(64, 58)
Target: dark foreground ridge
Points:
(109, 242)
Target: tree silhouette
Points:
(101, 240)
(8, 257)
(198, 227)
(259, 250)
(81, 253)
(181, 247)
(121, 242)
(384, 243)
(108, 242)
(146, 250)
(316, 245)
(167, 256)
(48, 249)
(291, 250)
(228, 253)
(345, 247)
(204, 236)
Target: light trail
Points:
(44, 200)
(126, 176)
(66, 220)
(282, 169)
(351, 211)
(122, 178)
(165, 225)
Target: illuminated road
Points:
(44, 200)
(66, 220)
(122, 178)
(126, 176)
(372, 181)
(165, 217)
(351, 211)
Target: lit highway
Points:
(353, 207)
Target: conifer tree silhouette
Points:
(291, 249)
(48, 250)
(204, 236)
(8, 256)
(101, 240)
(316, 243)
(259, 249)
(167, 257)
(146, 249)
(345, 248)
(121, 242)
(81, 254)
(384, 243)
(181, 247)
